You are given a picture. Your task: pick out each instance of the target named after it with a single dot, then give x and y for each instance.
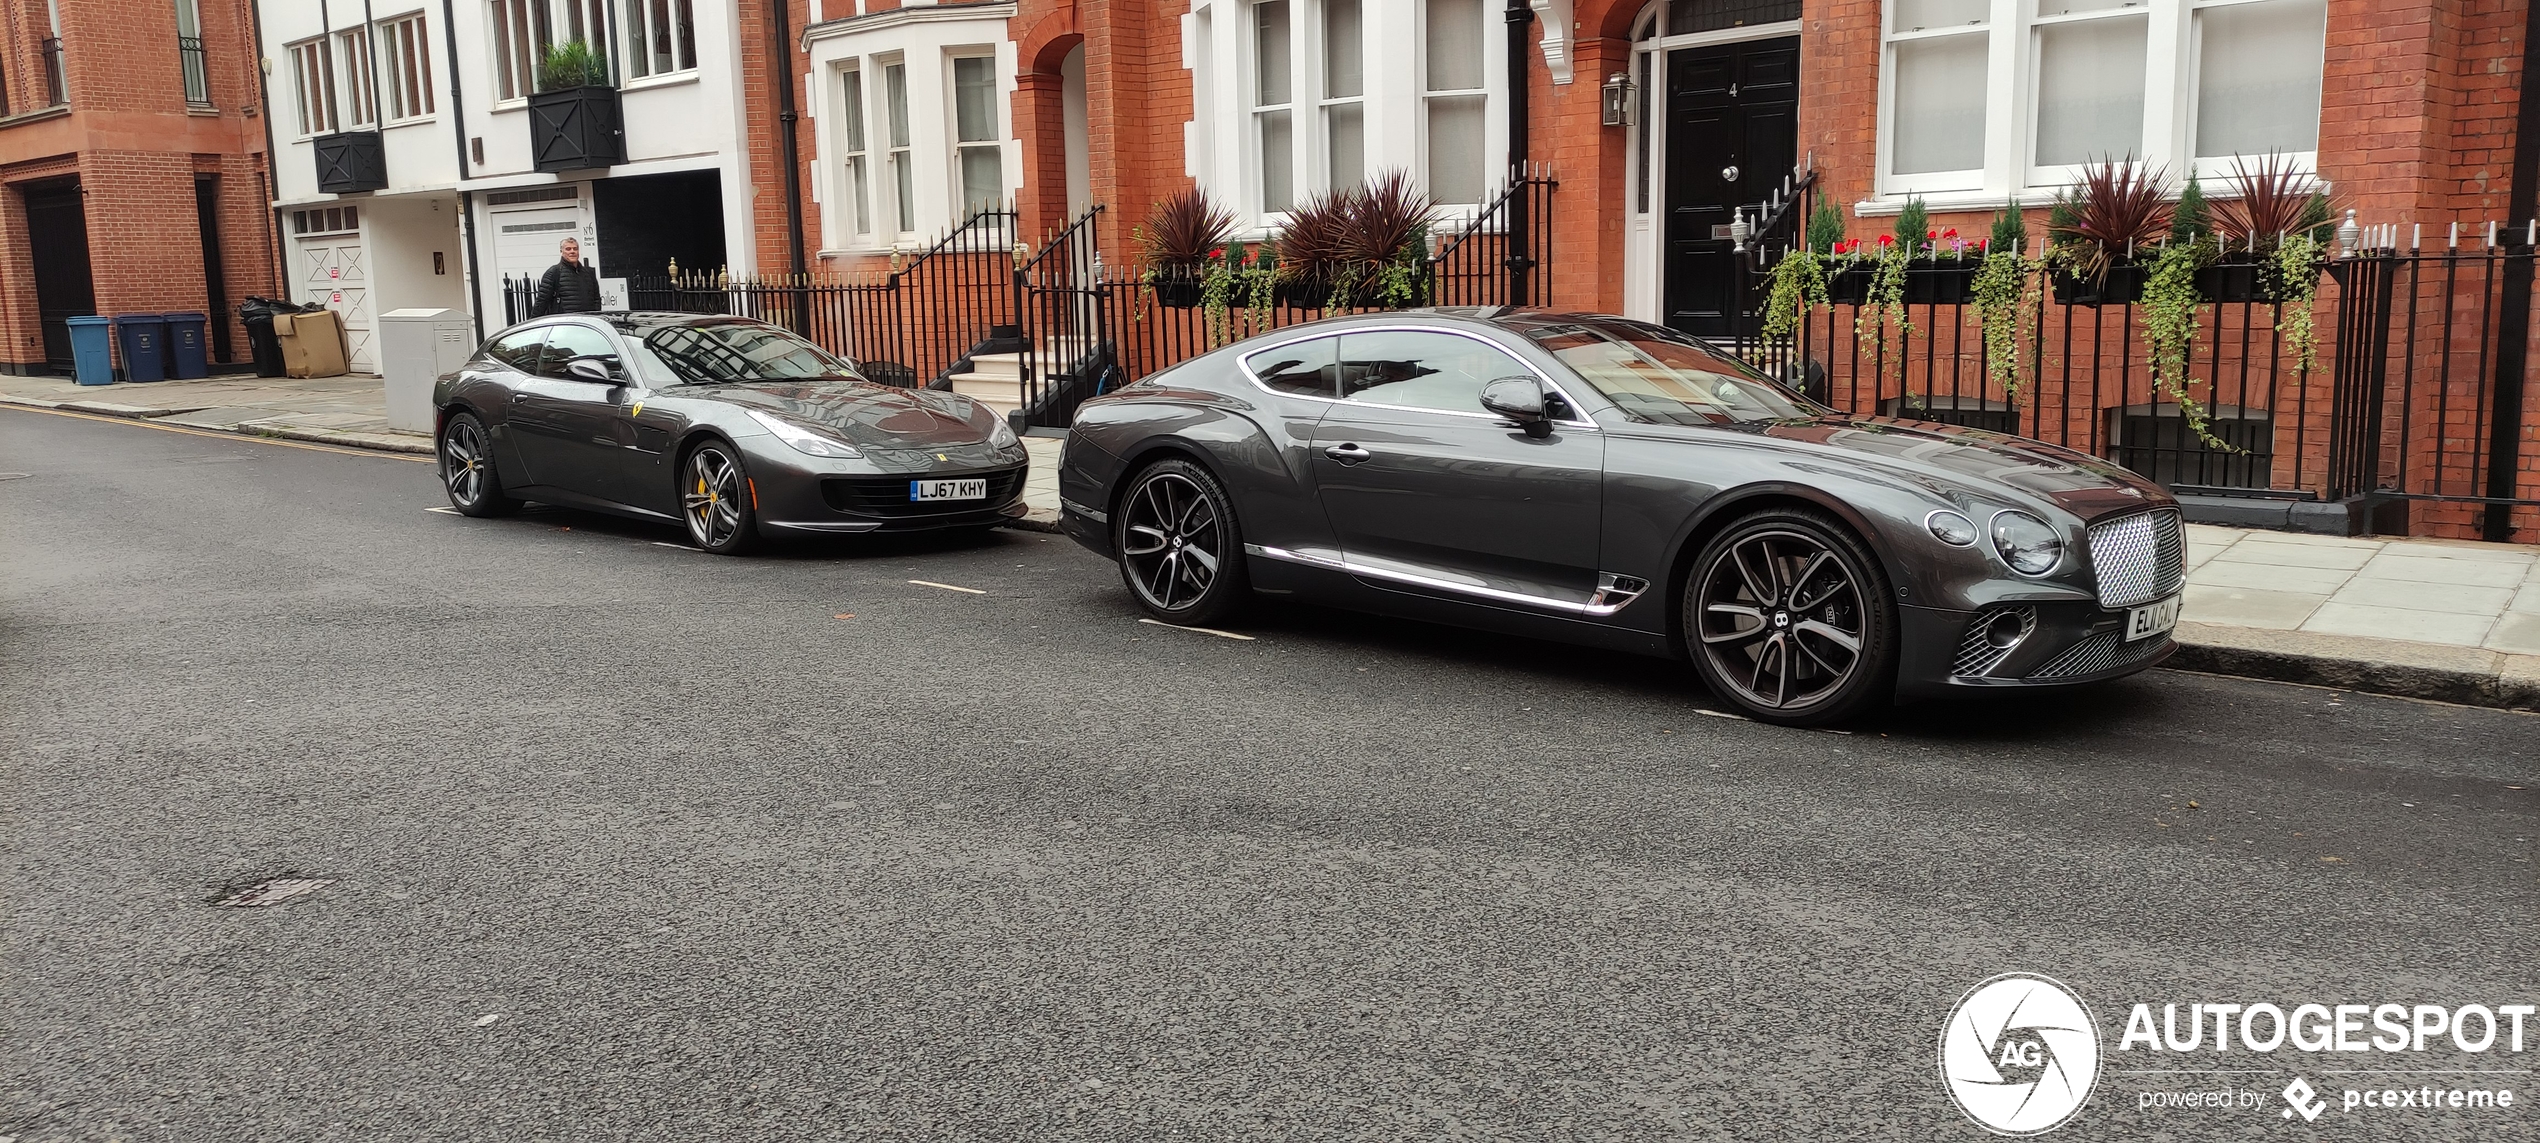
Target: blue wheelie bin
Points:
(189, 355)
(143, 339)
(92, 351)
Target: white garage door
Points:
(525, 240)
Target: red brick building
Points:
(131, 169)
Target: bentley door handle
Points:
(1347, 453)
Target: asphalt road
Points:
(631, 842)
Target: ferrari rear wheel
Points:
(1788, 617)
(1181, 551)
(467, 469)
(715, 498)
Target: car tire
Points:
(1179, 545)
(716, 500)
(467, 469)
(1789, 618)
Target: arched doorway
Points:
(1071, 71)
(1716, 128)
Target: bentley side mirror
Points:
(1520, 399)
(592, 369)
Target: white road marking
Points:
(1721, 714)
(680, 547)
(1201, 630)
(947, 587)
(445, 510)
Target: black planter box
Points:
(1948, 283)
(576, 129)
(1176, 291)
(1305, 293)
(2123, 285)
(350, 161)
(2240, 278)
(1849, 286)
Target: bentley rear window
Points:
(1662, 381)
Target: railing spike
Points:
(2454, 242)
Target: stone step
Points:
(1056, 356)
(985, 388)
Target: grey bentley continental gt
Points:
(734, 427)
(1603, 481)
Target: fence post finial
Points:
(2348, 233)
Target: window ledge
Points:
(203, 110)
(2033, 198)
(412, 121)
(674, 79)
(38, 115)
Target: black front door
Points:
(57, 239)
(1732, 137)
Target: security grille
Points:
(1977, 656)
(2139, 558)
(2105, 651)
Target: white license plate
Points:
(948, 489)
(2151, 619)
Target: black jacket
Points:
(568, 288)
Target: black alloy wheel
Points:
(715, 499)
(1788, 617)
(467, 469)
(1181, 552)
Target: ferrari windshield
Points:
(723, 352)
(1661, 380)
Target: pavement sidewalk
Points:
(2450, 620)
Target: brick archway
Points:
(1040, 115)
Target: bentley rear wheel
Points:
(467, 469)
(1181, 552)
(715, 499)
(1788, 617)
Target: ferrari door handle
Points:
(1347, 453)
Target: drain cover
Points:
(273, 891)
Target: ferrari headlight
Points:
(1002, 436)
(2028, 544)
(804, 440)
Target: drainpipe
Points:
(467, 199)
(2513, 331)
(783, 44)
(264, 178)
(1520, 257)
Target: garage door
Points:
(525, 240)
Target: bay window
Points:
(1271, 113)
(854, 172)
(1344, 94)
(903, 175)
(979, 148)
(1455, 102)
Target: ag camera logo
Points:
(2020, 1054)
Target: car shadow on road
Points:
(805, 548)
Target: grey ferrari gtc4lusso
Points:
(733, 427)
(1603, 481)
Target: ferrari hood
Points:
(2077, 482)
(865, 414)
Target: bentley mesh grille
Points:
(1977, 656)
(2105, 651)
(2139, 558)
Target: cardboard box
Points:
(312, 343)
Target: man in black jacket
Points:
(570, 286)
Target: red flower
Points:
(1217, 252)
(1952, 232)
(1887, 240)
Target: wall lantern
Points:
(1618, 100)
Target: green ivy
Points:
(2170, 305)
(1798, 281)
(2297, 267)
(1885, 298)
(2007, 304)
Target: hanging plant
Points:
(2297, 266)
(1885, 299)
(1797, 282)
(2170, 304)
(2007, 306)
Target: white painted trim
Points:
(1644, 235)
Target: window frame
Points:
(354, 44)
(313, 78)
(957, 148)
(2173, 62)
(899, 146)
(547, 23)
(855, 162)
(637, 27)
(410, 30)
(1490, 100)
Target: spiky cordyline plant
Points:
(2120, 213)
(1388, 228)
(2276, 200)
(1181, 231)
(1315, 243)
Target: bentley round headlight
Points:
(1953, 529)
(2028, 544)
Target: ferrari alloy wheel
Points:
(715, 499)
(467, 469)
(1788, 617)
(1181, 552)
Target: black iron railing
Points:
(2396, 411)
(198, 78)
(57, 87)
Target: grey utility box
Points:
(415, 348)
